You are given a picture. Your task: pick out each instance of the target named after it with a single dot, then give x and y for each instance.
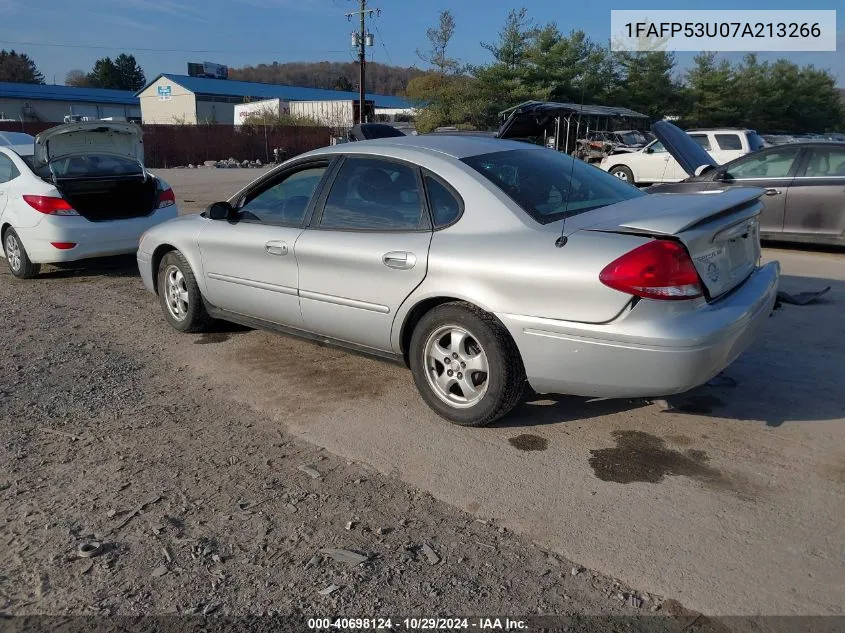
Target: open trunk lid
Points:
(721, 231)
(692, 158)
(113, 138)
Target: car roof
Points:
(456, 146)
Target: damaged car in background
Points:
(803, 185)
(484, 265)
(78, 191)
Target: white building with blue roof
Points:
(44, 103)
(179, 99)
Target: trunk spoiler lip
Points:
(693, 208)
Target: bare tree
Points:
(76, 78)
(439, 39)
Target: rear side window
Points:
(549, 185)
(702, 140)
(728, 141)
(827, 162)
(373, 194)
(8, 171)
(445, 206)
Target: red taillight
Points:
(50, 205)
(63, 246)
(661, 269)
(166, 198)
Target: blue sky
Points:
(239, 32)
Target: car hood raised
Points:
(89, 137)
(690, 155)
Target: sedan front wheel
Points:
(465, 364)
(179, 294)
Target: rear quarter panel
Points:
(524, 273)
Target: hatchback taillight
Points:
(50, 205)
(661, 269)
(166, 198)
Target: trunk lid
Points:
(721, 231)
(113, 138)
(689, 154)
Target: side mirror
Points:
(649, 150)
(220, 211)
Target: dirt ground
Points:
(203, 505)
(218, 473)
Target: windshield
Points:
(631, 138)
(549, 185)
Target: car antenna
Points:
(561, 241)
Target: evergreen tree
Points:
(19, 68)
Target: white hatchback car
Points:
(77, 191)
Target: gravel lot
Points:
(188, 458)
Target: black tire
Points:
(20, 265)
(194, 317)
(505, 378)
(620, 170)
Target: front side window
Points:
(774, 164)
(656, 148)
(549, 185)
(728, 141)
(374, 194)
(702, 140)
(285, 202)
(826, 163)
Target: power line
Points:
(168, 50)
(384, 46)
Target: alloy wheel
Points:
(176, 293)
(13, 252)
(456, 366)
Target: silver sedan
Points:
(484, 265)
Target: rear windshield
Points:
(15, 138)
(94, 165)
(549, 185)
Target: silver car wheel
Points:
(621, 175)
(176, 290)
(13, 252)
(456, 366)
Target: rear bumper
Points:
(654, 349)
(92, 239)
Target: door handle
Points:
(276, 247)
(772, 192)
(399, 259)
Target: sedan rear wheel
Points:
(623, 173)
(179, 294)
(465, 364)
(17, 258)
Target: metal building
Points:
(36, 103)
(180, 99)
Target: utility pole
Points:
(361, 40)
